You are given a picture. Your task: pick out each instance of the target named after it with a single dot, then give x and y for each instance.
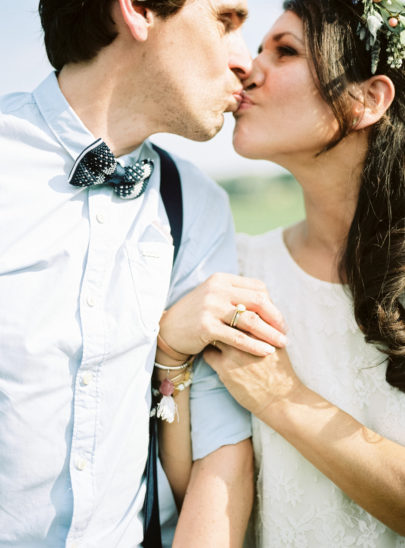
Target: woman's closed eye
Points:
(286, 51)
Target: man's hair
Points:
(76, 30)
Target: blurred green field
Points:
(260, 204)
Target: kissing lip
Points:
(238, 97)
(246, 99)
(238, 94)
(245, 103)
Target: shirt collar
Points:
(64, 123)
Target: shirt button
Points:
(100, 218)
(86, 378)
(90, 300)
(81, 463)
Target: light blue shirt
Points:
(84, 278)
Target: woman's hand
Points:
(255, 382)
(366, 466)
(203, 316)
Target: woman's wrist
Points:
(169, 350)
(281, 414)
(165, 342)
(163, 358)
(168, 356)
(169, 382)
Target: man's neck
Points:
(104, 106)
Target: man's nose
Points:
(240, 60)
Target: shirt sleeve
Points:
(208, 246)
(216, 418)
(208, 238)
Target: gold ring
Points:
(239, 309)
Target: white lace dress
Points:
(297, 506)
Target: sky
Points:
(23, 64)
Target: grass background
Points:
(261, 203)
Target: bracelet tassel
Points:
(167, 408)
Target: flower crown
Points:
(383, 17)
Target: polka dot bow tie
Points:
(97, 165)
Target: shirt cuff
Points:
(216, 418)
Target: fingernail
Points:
(269, 349)
(284, 326)
(283, 340)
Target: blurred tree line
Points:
(260, 203)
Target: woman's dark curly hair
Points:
(373, 261)
(76, 30)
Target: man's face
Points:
(197, 61)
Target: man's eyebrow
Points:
(240, 12)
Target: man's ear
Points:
(138, 19)
(378, 93)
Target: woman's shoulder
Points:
(256, 251)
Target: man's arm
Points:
(218, 500)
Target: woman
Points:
(326, 100)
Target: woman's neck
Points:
(330, 184)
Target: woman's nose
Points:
(256, 77)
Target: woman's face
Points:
(283, 113)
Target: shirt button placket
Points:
(100, 218)
(86, 389)
(86, 378)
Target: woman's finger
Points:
(259, 303)
(225, 280)
(252, 324)
(242, 341)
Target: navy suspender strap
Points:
(152, 537)
(170, 190)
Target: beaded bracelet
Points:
(166, 408)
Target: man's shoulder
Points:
(13, 102)
(205, 202)
(18, 114)
(197, 186)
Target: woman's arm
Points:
(219, 499)
(199, 318)
(175, 439)
(369, 468)
(218, 487)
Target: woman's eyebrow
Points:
(278, 37)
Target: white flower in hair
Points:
(374, 23)
(384, 17)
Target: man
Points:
(86, 274)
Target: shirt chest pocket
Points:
(151, 267)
